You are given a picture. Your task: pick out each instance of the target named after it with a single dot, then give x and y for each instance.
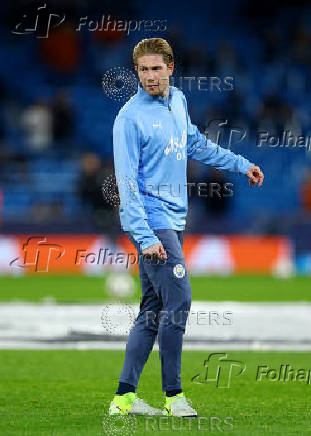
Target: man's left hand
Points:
(255, 176)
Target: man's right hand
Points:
(156, 250)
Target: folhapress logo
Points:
(219, 370)
(284, 374)
(38, 254)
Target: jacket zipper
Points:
(171, 112)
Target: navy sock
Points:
(124, 388)
(173, 393)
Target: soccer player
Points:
(152, 139)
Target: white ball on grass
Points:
(120, 285)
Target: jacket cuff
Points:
(149, 242)
(245, 166)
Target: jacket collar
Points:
(142, 93)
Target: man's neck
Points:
(166, 92)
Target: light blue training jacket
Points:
(152, 139)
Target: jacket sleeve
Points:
(204, 150)
(126, 153)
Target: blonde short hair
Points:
(153, 46)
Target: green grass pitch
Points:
(67, 393)
(93, 289)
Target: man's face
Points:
(154, 73)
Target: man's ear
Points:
(170, 67)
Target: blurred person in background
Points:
(43, 212)
(1, 206)
(37, 122)
(305, 194)
(93, 174)
(62, 49)
(218, 193)
(63, 117)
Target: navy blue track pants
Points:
(164, 309)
